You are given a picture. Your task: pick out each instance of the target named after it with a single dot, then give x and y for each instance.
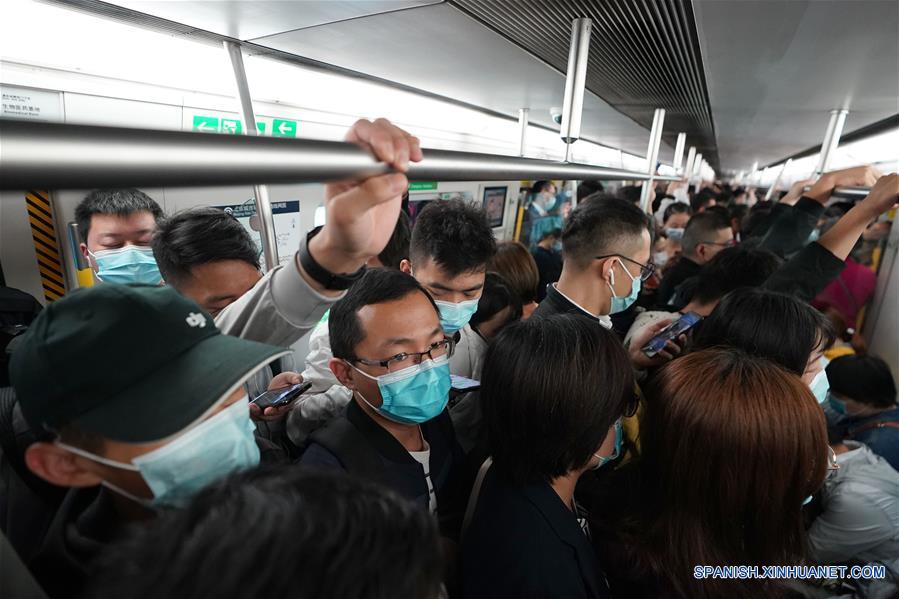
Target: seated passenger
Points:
(207, 256)
(391, 352)
(859, 522)
(862, 404)
(552, 411)
(514, 263)
(730, 269)
(448, 254)
(704, 236)
(116, 227)
(774, 326)
(548, 258)
(724, 471)
(128, 432)
(606, 246)
(275, 533)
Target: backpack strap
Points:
(851, 433)
(341, 438)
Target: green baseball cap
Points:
(130, 363)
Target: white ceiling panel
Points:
(440, 50)
(775, 69)
(256, 18)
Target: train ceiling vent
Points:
(644, 54)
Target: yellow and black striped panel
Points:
(46, 246)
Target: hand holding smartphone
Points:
(277, 398)
(671, 332)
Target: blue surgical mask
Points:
(455, 316)
(815, 235)
(130, 264)
(674, 233)
(557, 246)
(204, 454)
(620, 304)
(414, 394)
(807, 501)
(603, 460)
(820, 386)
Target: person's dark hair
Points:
(588, 187)
(757, 216)
(280, 532)
(731, 446)
(120, 202)
(738, 212)
(630, 193)
(599, 226)
(397, 248)
(455, 235)
(516, 265)
(703, 199)
(863, 378)
(701, 228)
(540, 186)
(198, 236)
(676, 208)
(733, 268)
(496, 296)
(377, 285)
(550, 389)
(721, 210)
(764, 323)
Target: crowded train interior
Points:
(449, 299)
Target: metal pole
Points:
(58, 156)
(652, 156)
(831, 139)
(697, 166)
(575, 80)
(523, 126)
(688, 166)
(263, 202)
(777, 179)
(679, 152)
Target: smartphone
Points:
(460, 383)
(672, 331)
(277, 398)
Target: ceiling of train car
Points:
(643, 55)
(775, 69)
(427, 45)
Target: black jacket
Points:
(523, 542)
(549, 265)
(359, 445)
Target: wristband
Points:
(329, 280)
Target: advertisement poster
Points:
(287, 225)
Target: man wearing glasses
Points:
(390, 350)
(706, 234)
(606, 250)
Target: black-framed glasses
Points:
(438, 349)
(727, 244)
(646, 270)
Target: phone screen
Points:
(281, 396)
(672, 331)
(460, 383)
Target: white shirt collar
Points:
(604, 320)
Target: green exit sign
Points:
(284, 128)
(422, 185)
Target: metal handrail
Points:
(64, 156)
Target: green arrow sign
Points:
(206, 124)
(261, 127)
(232, 126)
(284, 128)
(422, 186)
